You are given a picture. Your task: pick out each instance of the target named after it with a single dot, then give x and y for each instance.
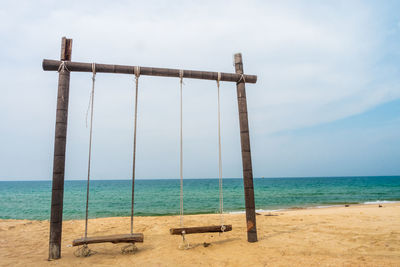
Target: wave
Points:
(380, 202)
(259, 210)
(320, 206)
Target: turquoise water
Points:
(31, 200)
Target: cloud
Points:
(316, 63)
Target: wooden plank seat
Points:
(124, 238)
(201, 229)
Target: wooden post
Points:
(246, 154)
(57, 195)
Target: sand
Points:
(362, 235)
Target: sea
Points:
(111, 198)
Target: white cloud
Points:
(316, 63)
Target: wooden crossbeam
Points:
(126, 238)
(200, 229)
(54, 65)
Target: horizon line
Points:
(198, 178)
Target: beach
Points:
(358, 235)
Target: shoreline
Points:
(379, 202)
(384, 202)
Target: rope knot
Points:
(181, 76)
(63, 66)
(241, 78)
(137, 71)
(94, 71)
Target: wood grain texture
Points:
(57, 196)
(53, 65)
(125, 238)
(200, 229)
(246, 154)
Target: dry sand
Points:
(363, 235)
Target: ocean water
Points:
(108, 198)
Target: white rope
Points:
(181, 148)
(241, 78)
(63, 67)
(91, 93)
(137, 74)
(90, 147)
(221, 196)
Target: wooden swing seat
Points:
(200, 229)
(124, 238)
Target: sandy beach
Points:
(359, 235)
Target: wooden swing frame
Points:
(65, 66)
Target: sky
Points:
(326, 103)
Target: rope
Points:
(84, 251)
(221, 196)
(181, 148)
(92, 92)
(90, 147)
(137, 74)
(129, 249)
(90, 97)
(241, 78)
(63, 67)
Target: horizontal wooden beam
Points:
(127, 238)
(200, 229)
(54, 65)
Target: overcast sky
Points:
(327, 100)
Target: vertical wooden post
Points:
(57, 195)
(246, 154)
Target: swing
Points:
(221, 228)
(131, 238)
